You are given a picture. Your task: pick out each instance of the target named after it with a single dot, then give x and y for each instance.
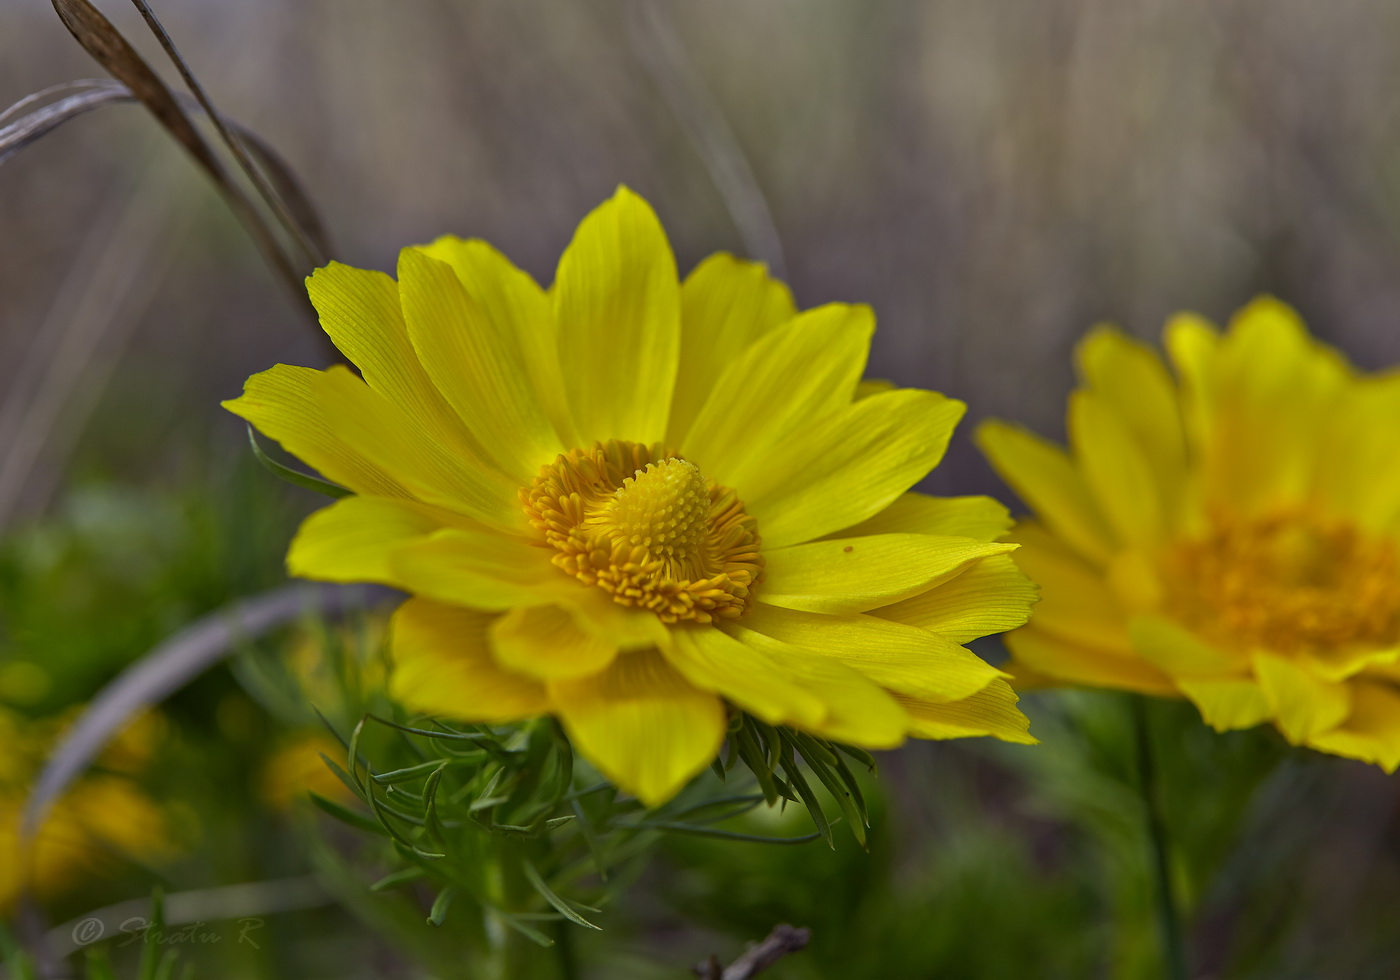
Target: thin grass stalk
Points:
(1164, 892)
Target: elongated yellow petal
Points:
(642, 724)
(361, 313)
(475, 360)
(1078, 663)
(443, 666)
(1358, 467)
(989, 596)
(1275, 389)
(1371, 731)
(352, 539)
(849, 466)
(1043, 475)
(1134, 383)
(1177, 650)
(282, 403)
(895, 656)
(982, 518)
(1192, 343)
(1115, 469)
(851, 575)
(629, 627)
(1075, 600)
(546, 642)
(357, 437)
(726, 305)
(1227, 703)
(1302, 704)
(716, 662)
(507, 295)
(478, 569)
(617, 303)
(859, 711)
(991, 711)
(804, 370)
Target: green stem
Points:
(508, 955)
(1168, 911)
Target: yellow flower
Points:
(295, 768)
(1229, 535)
(101, 816)
(628, 501)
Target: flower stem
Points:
(1168, 911)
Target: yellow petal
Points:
(1135, 384)
(1358, 467)
(617, 303)
(473, 355)
(1226, 703)
(858, 711)
(1177, 650)
(982, 518)
(360, 311)
(1371, 731)
(629, 627)
(506, 294)
(1051, 657)
(1043, 475)
(990, 596)
(282, 403)
(1115, 469)
(895, 656)
(1302, 703)
(1275, 390)
(726, 304)
(716, 662)
(849, 466)
(443, 666)
(850, 575)
(1076, 602)
(478, 569)
(351, 540)
(1193, 344)
(801, 371)
(642, 724)
(357, 437)
(873, 386)
(545, 642)
(991, 711)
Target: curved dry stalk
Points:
(784, 939)
(173, 664)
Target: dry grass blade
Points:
(85, 94)
(310, 238)
(100, 38)
(16, 135)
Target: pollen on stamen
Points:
(646, 526)
(1288, 582)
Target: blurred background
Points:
(994, 177)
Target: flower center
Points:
(645, 525)
(1288, 583)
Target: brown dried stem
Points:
(784, 939)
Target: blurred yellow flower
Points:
(1231, 534)
(627, 501)
(102, 817)
(295, 768)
